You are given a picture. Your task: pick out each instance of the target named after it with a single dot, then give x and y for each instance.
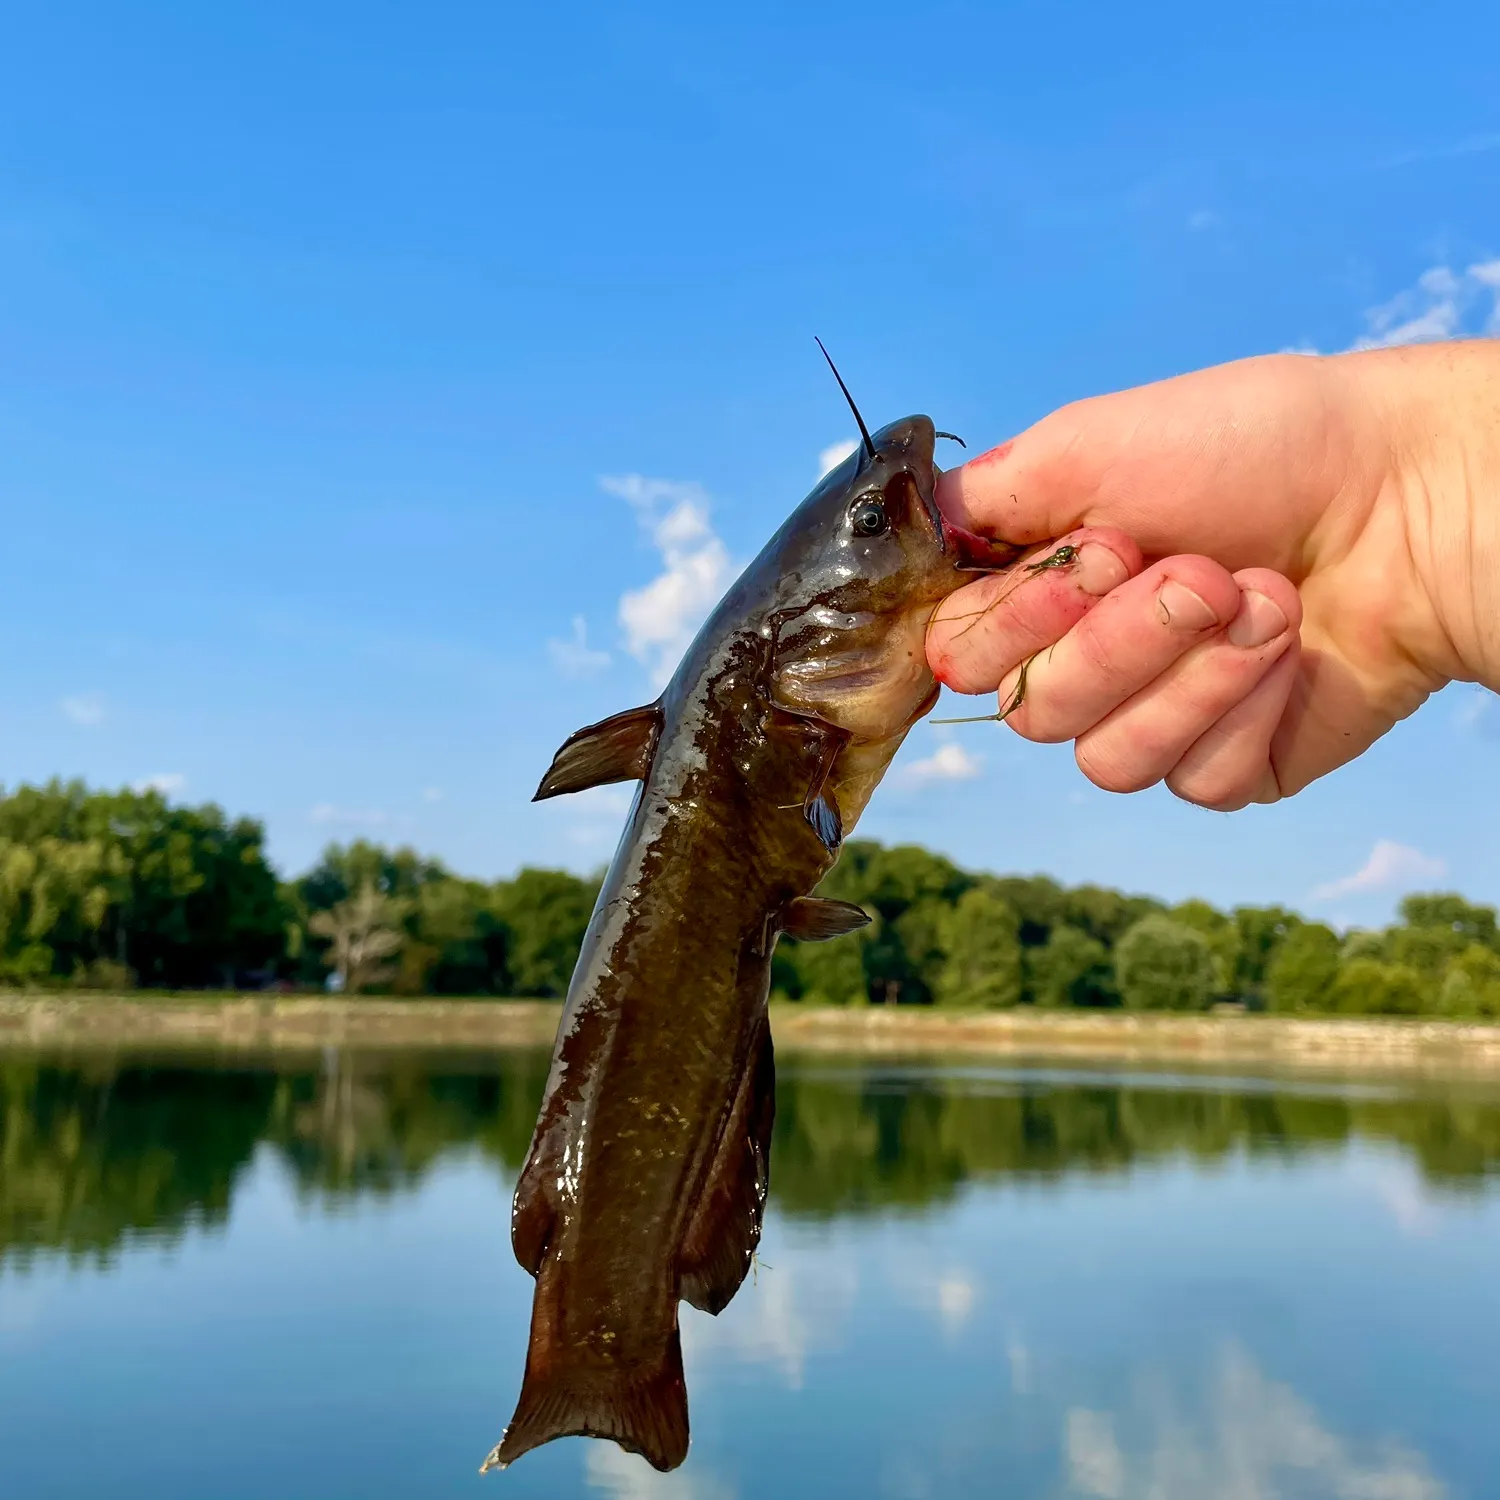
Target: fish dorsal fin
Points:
(616, 749)
(725, 1227)
(811, 919)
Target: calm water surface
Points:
(295, 1280)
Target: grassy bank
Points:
(262, 1022)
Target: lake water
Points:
(295, 1280)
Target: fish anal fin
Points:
(642, 1408)
(811, 919)
(615, 749)
(726, 1222)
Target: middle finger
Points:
(1124, 643)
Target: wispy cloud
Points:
(432, 794)
(946, 763)
(1203, 218)
(624, 1476)
(1472, 145)
(661, 618)
(834, 454)
(1479, 712)
(1243, 1435)
(86, 710)
(1391, 866)
(328, 815)
(598, 814)
(168, 783)
(1443, 304)
(575, 657)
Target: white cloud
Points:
(1019, 1357)
(782, 1315)
(952, 1295)
(86, 710)
(347, 817)
(625, 1476)
(576, 658)
(661, 618)
(1390, 866)
(946, 763)
(168, 783)
(598, 814)
(1245, 1436)
(1444, 304)
(1203, 218)
(1095, 1464)
(834, 454)
(432, 794)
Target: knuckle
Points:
(1213, 787)
(1111, 771)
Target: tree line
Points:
(96, 1153)
(110, 890)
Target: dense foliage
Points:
(104, 890)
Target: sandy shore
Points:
(263, 1023)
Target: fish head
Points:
(862, 564)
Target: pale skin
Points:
(1277, 561)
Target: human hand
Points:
(1278, 559)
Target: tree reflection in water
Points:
(96, 1150)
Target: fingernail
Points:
(1099, 570)
(1260, 620)
(1184, 610)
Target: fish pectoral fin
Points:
(823, 814)
(818, 807)
(616, 749)
(725, 1227)
(811, 919)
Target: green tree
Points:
(545, 914)
(982, 952)
(1366, 986)
(1471, 986)
(831, 972)
(1070, 968)
(1475, 924)
(1223, 935)
(1162, 965)
(1303, 970)
(1262, 930)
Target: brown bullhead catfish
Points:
(647, 1175)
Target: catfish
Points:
(647, 1176)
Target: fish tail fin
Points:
(643, 1409)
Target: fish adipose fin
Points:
(725, 1227)
(811, 919)
(643, 1410)
(617, 749)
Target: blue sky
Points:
(351, 355)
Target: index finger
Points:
(1234, 463)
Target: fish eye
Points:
(867, 516)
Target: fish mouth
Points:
(972, 553)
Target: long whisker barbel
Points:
(864, 431)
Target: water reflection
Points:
(1026, 1281)
(94, 1150)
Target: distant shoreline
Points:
(264, 1023)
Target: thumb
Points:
(1231, 462)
